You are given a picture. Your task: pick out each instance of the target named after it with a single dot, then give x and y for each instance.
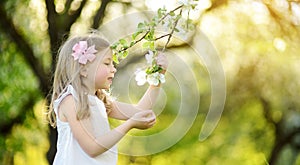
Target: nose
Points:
(114, 70)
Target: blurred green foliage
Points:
(19, 93)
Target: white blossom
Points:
(149, 57)
(162, 78)
(140, 77)
(153, 79)
(187, 2)
(184, 2)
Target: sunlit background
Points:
(257, 42)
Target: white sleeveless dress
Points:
(69, 151)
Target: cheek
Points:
(101, 75)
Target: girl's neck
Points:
(89, 86)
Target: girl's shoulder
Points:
(69, 100)
(65, 103)
(69, 90)
(67, 108)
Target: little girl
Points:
(80, 107)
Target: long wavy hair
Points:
(67, 72)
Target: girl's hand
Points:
(162, 61)
(143, 120)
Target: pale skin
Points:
(138, 115)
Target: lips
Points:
(110, 79)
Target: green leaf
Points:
(178, 17)
(115, 45)
(155, 19)
(115, 58)
(141, 25)
(154, 68)
(172, 13)
(134, 35)
(153, 23)
(150, 35)
(194, 6)
(125, 54)
(123, 42)
(146, 45)
(151, 46)
(161, 12)
(132, 43)
(191, 27)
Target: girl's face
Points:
(105, 72)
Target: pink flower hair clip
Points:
(83, 53)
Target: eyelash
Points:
(108, 63)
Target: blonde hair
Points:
(67, 72)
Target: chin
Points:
(106, 87)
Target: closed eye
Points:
(108, 61)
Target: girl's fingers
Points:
(146, 115)
(152, 123)
(162, 61)
(152, 119)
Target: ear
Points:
(83, 72)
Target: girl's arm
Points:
(124, 111)
(96, 146)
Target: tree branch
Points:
(100, 14)
(162, 18)
(281, 139)
(135, 42)
(6, 128)
(280, 144)
(267, 111)
(9, 28)
(68, 5)
(171, 34)
(283, 21)
(52, 29)
(72, 16)
(162, 36)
